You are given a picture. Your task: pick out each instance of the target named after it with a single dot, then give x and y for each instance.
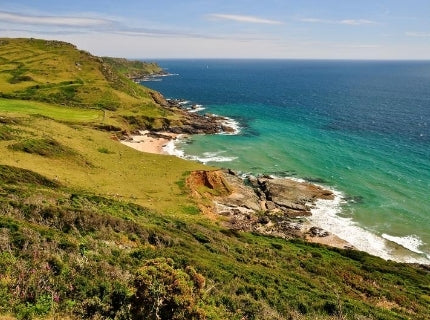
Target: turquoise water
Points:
(361, 128)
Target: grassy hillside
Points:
(92, 229)
(58, 73)
(133, 69)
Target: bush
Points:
(104, 150)
(163, 292)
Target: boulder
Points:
(318, 232)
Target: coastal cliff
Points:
(93, 229)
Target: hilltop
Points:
(92, 229)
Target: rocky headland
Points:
(191, 122)
(265, 205)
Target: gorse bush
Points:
(163, 292)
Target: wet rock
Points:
(231, 172)
(291, 194)
(318, 232)
(253, 182)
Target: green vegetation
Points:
(45, 147)
(66, 114)
(91, 229)
(133, 69)
(57, 73)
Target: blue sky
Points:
(309, 29)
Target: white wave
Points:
(151, 80)
(168, 75)
(411, 242)
(211, 157)
(231, 123)
(173, 148)
(325, 214)
(184, 102)
(196, 108)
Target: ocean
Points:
(361, 128)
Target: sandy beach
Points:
(150, 142)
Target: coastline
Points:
(323, 224)
(150, 142)
(160, 143)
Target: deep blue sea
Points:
(361, 128)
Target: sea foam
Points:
(231, 123)
(411, 242)
(196, 108)
(173, 148)
(211, 157)
(326, 214)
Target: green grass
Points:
(133, 69)
(20, 107)
(46, 147)
(7, 133)
(92, 248)
(59, 74)
(90, 159)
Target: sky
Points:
(282, 29)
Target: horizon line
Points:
(299, 59)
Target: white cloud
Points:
(418, 34)
(359, 46)
(241, 18)
(356, 22)
(65, 21)
(351, 22)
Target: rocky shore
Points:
(191, 122)
(265, 205)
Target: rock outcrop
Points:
(271, 206)
(190, 122)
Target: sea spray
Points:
(326, 215)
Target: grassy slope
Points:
(133, 69)
(57, 73)
(90, 212)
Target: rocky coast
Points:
(263, 204)
(154, 140)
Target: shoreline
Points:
(310, 229)
(313, 229)
(158, 142)
(150, 142)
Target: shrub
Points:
(163, 292)
(105, 150)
